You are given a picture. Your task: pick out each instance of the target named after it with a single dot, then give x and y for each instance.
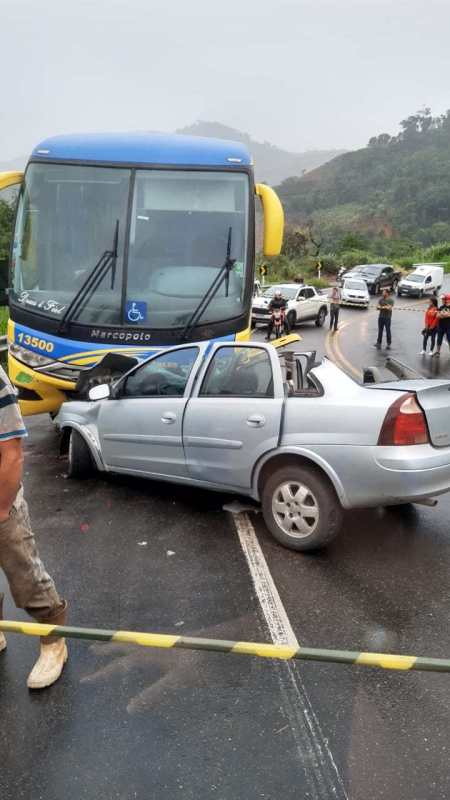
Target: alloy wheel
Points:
(295, 509)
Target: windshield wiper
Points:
(106, 262)
(222, 276)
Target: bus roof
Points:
(143, 148)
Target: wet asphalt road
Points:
(132, 723)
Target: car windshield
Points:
(169, 249)
(371, 270)
(360, 285)
(416, 278)
(288, 292)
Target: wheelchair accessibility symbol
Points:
(136, 312)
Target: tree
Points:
(295, 243)
(352, 241)
(6, 228)
(381, 141)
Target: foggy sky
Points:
(302, 74)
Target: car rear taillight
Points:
(404, 423)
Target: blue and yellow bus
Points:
(125, 244)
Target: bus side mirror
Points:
(273, 219)
(8, 179)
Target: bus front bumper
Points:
(38, 393)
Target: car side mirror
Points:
(101, 392)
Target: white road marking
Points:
(321, 772)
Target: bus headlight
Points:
(28, 357)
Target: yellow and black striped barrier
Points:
(277, 651)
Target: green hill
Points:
(397, 188)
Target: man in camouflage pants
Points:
(31, 587)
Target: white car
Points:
(354, 292)
(304, 304)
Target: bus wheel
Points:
(80, 464)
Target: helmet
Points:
(278, 293)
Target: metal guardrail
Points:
(3, 344)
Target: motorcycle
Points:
(278, 320)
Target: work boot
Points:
(53, 655)
(2, 636)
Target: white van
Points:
(424, 279)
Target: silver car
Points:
(301, 437)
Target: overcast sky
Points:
(302, 74)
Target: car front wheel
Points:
(292, 320)
(321, 317)
(80, 464)
(300, 508)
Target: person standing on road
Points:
(431, 325)
(443, 324)
(31, 586)
(385, 307)
(334, 307)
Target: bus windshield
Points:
(171, 228)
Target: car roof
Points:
(287, 286)
(360, 266)
(143, 149)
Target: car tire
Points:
(292, 320)
(321, 317)
(80, 464)
(376, 289)
(394, 285)
(317, 493)
(421, 294)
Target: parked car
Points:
(354, 292)
(301, 437)
(305, 304)
(376, 276)
(424, 279)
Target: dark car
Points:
(376, 276)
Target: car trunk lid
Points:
(433, 397)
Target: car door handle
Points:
(256, 421)
(168, 418)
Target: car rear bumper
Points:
(367, 476)
(400, 474)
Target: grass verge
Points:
(4, 315)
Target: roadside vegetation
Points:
(301, 255)
(3, 320)
(6, 225)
